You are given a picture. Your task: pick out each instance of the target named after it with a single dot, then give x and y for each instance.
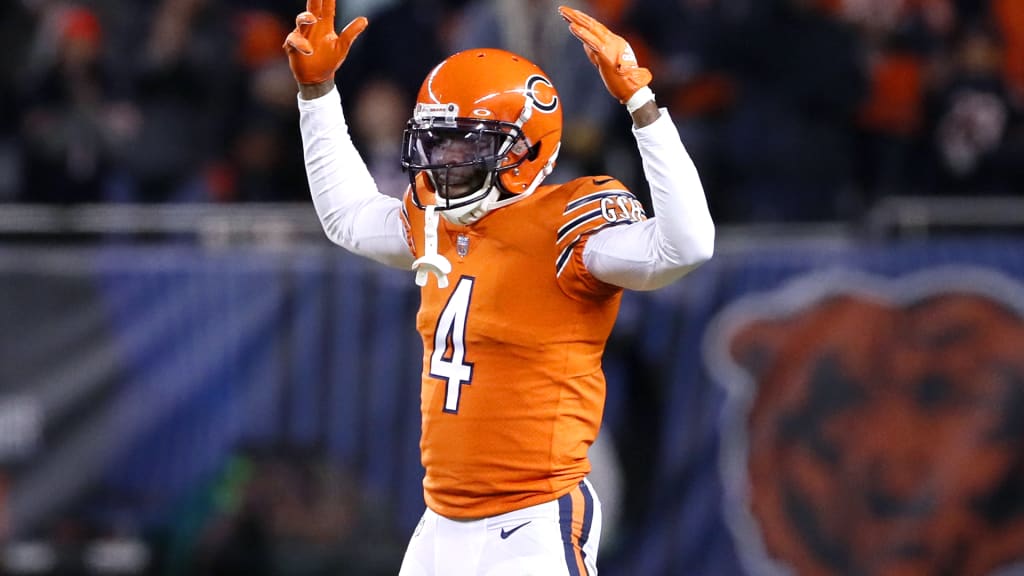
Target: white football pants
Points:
(557, 538)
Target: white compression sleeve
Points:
(681, 236)
(353, 213)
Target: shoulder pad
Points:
(596, 203)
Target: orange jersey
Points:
(513, 392)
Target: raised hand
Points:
(315, 51)
(610, 53)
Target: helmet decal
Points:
(538, 96)
(447, 111)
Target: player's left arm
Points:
(653, 253)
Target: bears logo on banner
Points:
(875, 426)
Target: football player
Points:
(520, 281)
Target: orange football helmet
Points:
(485, 132)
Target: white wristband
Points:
(639, 98)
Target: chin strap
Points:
(431, 262)
(466, 215)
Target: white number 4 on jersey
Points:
(448, 360)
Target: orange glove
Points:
(610, 53)
(314, 51)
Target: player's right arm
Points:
(353, 213)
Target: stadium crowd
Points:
(794, 110)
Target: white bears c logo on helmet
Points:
(538, 95)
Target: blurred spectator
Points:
(971, 118)
(237, 540)
(800, 77)
(184, 74)
(901, 41)
(71, 128)
(684, 41)
(889, 122)
(381, 111)
(795, 110)
(263, 161)
(403, 42)
(1009, 17)
(290, 513)
(16, 27)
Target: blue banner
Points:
(789, 408)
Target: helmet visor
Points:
(457, 155)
